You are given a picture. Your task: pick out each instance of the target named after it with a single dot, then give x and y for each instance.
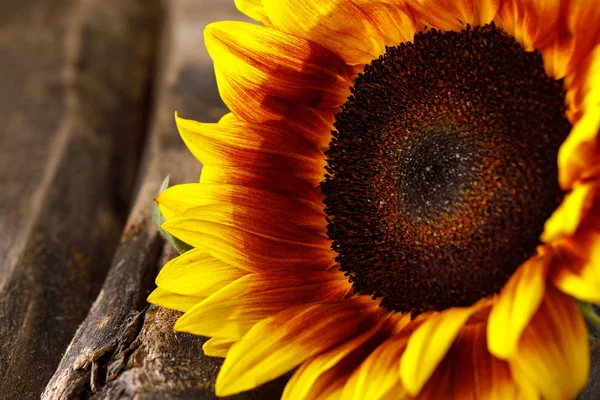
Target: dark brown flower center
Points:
(442, 169)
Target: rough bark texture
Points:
(125, 349)
(75, 77)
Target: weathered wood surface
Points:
(75, 76)
(125, 349)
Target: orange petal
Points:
(276, 345)
(377, 377)
(577, 272)
(429, 343)
(174, 301)
(576, 35)
(395, 20)
(196, 273)
(469, 371)
(325, 375)
(254, 9)
(256, 61)
(339, 25)
(242, 144)
(254, 246)
(532, 23)
(217, 347)
(516, 304)
(248, 251)
(179, 199)
(455, 15)
(274, 227)
(553, 353)
(566, 219)
(233, 310)
(275, 182)
(580, 151)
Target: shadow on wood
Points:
(125, 348)
(75, 82)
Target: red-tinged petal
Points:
(456, 15)
(274, 227)
(270, 181)
(314, 125)
(553, 353)
(576, 36)
(470, 372)
(378, 377)
(196, 273)
(179, 199)
(245, 145)
(217, 347)
(339, 25)
(276, 345)
(254, 9)
(257, 61)
(516, 304)
(395, 20)
(232, 311)
(325, 375)
(174, 301)
(249, 251)
(532, 23)
(577, 272)
(580, 151)
(568, 216)
(430, 342)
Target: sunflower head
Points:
(402, 203)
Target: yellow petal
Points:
(256, 62)
(270, 182)
(339, 25)
(567, 217)
(260, 146)
(217, 347)
(395, 20)
(456, 14)
(196, 273)
(249, 251)
(577, 273)
(174, 301)
(378, 375)
(469, 371)
(574, 37)
(276, 345)
(273, 224)
(516, 304)
(429, 343)
(579, 151)
(325, 375)
(553, 353)
(233, 310)
(254, 9)
(532, 23)
(178, 199)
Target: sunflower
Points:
(402, 202)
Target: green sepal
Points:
(158, 219)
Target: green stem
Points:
(590, 315)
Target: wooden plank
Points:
(125, 348)
(75, 78)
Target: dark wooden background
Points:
(87, 94)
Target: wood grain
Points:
(75, 79)
(125, 348)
